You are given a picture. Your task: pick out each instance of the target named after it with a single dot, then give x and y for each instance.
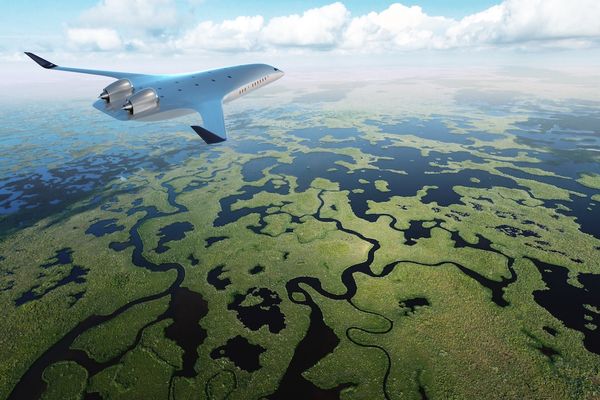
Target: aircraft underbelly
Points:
(163, 113)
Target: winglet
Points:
(43, 63)
(207, 136)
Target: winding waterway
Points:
(319, 339)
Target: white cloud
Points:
(16, 56)
(240, 34)
(100, 39)
(530, 24)
(132, 25)
(522, 21)
(318, 27)
(398, 27)
(136, 15)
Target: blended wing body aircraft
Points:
(142, 97)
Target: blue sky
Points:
(43, 19)
(294, 29)
(223, 8)
(43, 16)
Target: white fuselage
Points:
(142, 97)
(179, 94)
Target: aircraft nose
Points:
(279, 73)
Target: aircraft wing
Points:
(213, 129)
(114, 74)
(213, 126)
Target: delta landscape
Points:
(410, 235)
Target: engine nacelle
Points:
(117, 90)
(144, 100)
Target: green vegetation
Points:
(428, 313)
(381, 185)
(590, 180)
(65, 380)
(112, 338)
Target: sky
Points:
(43, 16)
(182, 34)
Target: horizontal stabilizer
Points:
(43, 63)
(207, 136)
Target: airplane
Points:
(141, 97)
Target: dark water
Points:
(568, 303)
(309, 166)
(410, 305)
(252, 170)
(255, 146)
(312, 136)
(319, 341)
(104, 227)
(241, 352)
(212, 240)
(589, 220)
(295, 287)
(227, 215)
(416, 231)
(214, 278)
(257, 269)
(433, 129)
(76, 275)
(516, 232)
(26, 198)
(187, 308)
(62, 257)
(550, 330)
(410, 160)
(193, 260)
(264, 310)
(49, 165)
(496, 287)
(172, 232)
(561, 132)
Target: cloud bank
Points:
(154, 25)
